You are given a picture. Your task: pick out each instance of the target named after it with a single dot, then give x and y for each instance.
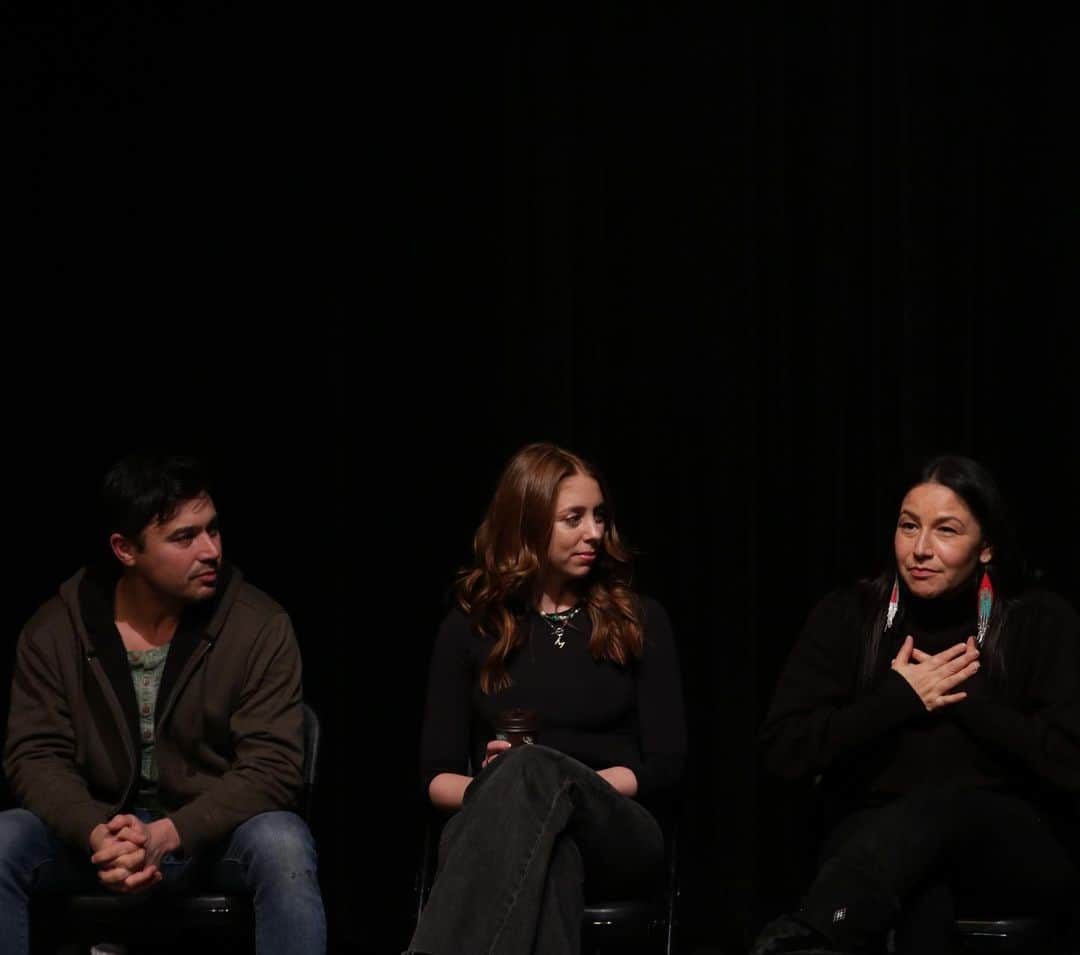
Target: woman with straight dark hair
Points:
(547, 626)
(939, 705)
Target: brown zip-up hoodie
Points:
(228, 719)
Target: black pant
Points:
(930, 855)
(514, 862)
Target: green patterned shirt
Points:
(147, 668)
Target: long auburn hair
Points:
(976, 487)
(510, 547)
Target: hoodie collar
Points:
(90, 596)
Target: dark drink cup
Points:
(518, 726)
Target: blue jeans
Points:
(270, 856)
(538, 831)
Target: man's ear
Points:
(124, 548)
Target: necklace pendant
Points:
(558, 622)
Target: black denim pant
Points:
(538, 829)
(912, 863)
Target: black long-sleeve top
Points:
(601, 713)
(1017, 731)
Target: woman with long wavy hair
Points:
(938, 706)
(546, 622)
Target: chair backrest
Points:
(312, 738)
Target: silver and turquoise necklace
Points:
(558, 622)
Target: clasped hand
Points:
(128, 852)
(935, 676)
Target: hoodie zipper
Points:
(118, 714)
(193, 661)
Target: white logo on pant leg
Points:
(839, 915)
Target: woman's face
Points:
(938, 542)
(577, 529)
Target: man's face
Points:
(179, 558)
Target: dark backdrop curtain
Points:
(756, 262)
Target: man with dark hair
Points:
(156, 727)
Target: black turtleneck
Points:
(936, 624)
(932, 748)
(1018, 730)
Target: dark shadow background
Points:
(757, 263)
